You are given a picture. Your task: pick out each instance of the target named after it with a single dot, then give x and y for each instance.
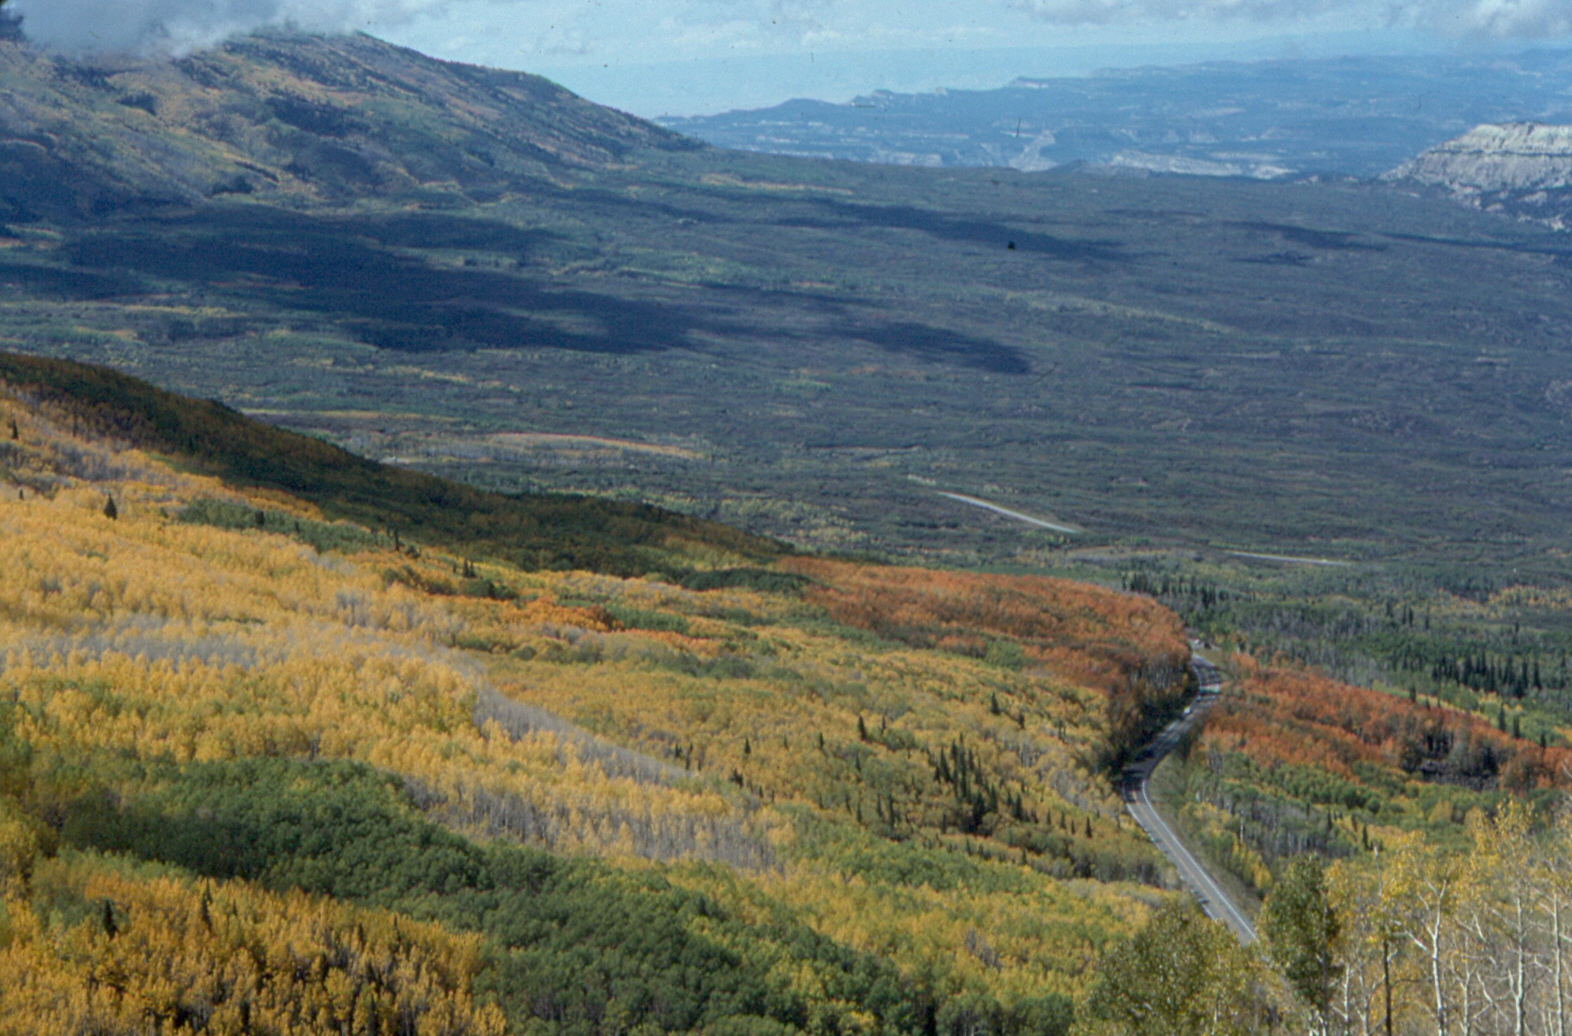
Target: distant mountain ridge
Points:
(314, 118)
(1523, 169)
(1356, 116)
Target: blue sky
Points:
(678, 57)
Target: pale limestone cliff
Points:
(1516, 157)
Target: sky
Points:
(688, 57)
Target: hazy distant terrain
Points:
(481, 275)
(1357, 116)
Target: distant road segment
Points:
(1291, 559)
(1138, 774)
(1017, 515)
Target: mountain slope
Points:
(606, 802)
(292, 117)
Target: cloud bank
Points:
(580, 26)
(179, 26)
(1487, 19)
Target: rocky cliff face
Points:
(1521, 168)
(1520, 156)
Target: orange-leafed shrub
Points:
(1085, 633)
(542, 611)
(1292, 716)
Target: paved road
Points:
(1136, 776)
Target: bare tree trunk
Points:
(1558, 940)
(1427, 939)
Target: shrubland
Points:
(483, 276)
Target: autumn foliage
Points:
(921, 798)
(1081, 632)
(1290, 716)
(1126, 645)
(167, 954)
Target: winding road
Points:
(1136, 777)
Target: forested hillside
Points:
(1413, 857)
(263, 769)
(266, 769)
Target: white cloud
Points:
(1505, 19)
(1492, 19)
(182, 25)
(554, 31)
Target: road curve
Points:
(1136, 777)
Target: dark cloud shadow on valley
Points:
(360, 273)
(52, 281)
(986, 233)
(350, 272)
(1326, 240)
(1562, 256)
(942, 346)
(825, 318)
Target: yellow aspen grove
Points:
(924, 801)
(171, 955)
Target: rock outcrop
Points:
(1518, 156)
(1520, 168)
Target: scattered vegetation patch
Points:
(547, 531)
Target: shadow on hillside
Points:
(358, 273)
(941, 345)
(979, 232)
(1326, 240)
